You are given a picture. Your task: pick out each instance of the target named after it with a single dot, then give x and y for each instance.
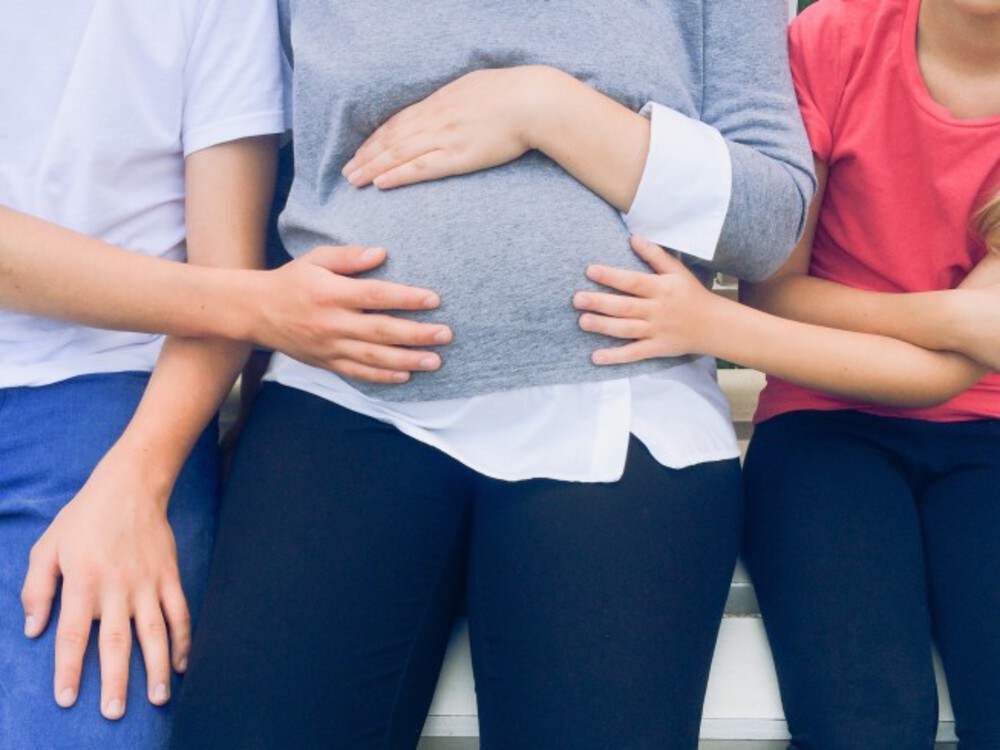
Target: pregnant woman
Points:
(589, 517)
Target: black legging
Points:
(866, 535)
(342, 558)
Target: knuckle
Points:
(378, 294)
(86, 577)
(396, 152)
(181, 623)
(115, 638)
(366, 354)
(153, 628)
(630, 284)
(35, 553)
(381, 332)
(72, 636)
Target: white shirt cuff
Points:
(686, 185)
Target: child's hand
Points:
(666, 314)
(114, 550)
(478, 121)
(315, 310)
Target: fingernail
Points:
(66, 697)
(161, 694)
(182, 665)
(370, 253)
(431, 300)
(348, 168)
(599, 359)
(400, 377)
(443, 336)
(30, 626)
(354, 177)
(115, 709)
(428, 363)
(581, 300)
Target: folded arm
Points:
(747, 156)
(963, 320)
(670, 313)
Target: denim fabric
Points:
(50, 439)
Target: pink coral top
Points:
(905, 175)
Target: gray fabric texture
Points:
(506, 248)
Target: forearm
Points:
(848, 364)
(53, 272)
(939, 320)
(192, 378)
(228, 191)
(600, 142)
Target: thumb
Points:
(346, 259)
(655, 256)
(39, 589)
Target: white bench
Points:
(742, 707)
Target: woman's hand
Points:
(666, 313)
(115, 551)
(478, 121)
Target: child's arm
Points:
(670, 313)
(965, 320)
(112, 544)
(310, 308)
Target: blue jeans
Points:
(51, 438)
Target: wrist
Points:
(240, 317)
(150, 462)
(957, 319)
(548, 92)
(719, 319)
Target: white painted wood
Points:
(741, 704)
(742, 686)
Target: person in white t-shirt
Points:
(135, 135)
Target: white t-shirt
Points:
(101, 102)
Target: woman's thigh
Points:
(833, 544)
(594, 608)
(50, 440)
(338, 570)
(960, 511)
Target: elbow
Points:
(765, 222)
(927, 396)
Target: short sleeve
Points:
(233, 75)
(815, 44)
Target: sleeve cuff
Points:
(234, 128)
(684, 193)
